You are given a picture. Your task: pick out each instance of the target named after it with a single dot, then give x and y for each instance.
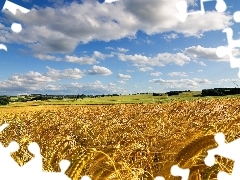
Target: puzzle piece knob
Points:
(34, 148)
(17, 28)
(85, 178)
(221, 6)
(177, 171)
(236, 16)
(13, 8)
(159, 178)
(110, 1)
(209, 160)
(64, 164)
(223, 176)
(220, 138)
(182, 10)
(3, 126)
(13, 146)
(181, 7)
(221, 51)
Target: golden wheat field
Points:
(137, 141)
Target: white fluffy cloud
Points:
(93, 59)
(123, 50)
(121, 82)
(180, 74)
(23, 82)
(182, 83)
(219, 82)
(81, 60)
(156, 74)
(202, 63)
(170, 36)
(145, 69)
(199, 52)
(47, 57)
(60, 30)
(128, 70)
(159, 60)
(100, 55)
(95, 88)
(100, 70)
(32, 82)
(38, 81)
(123, 76)
(65, 74)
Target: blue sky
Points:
(129, 46)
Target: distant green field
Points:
(122, 99)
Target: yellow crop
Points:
(138, 141)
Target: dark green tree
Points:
(4, 100)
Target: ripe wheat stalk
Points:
(137, 141)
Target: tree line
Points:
(4, 100)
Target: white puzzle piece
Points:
(227, 150)
(182, 8)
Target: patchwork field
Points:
(125, 141)
(121, 99)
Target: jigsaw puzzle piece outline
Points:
(12, 7)
(183, 13)
(227, 150)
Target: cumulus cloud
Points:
(202, 63)
(62, 29)
(123, 50)
(121, 82)
(180, 74)
(93, 59)
(23, 82)
(205, 23)
(100, 70)
(47, 57)
(182, 83)
(123, 76)
(109, 48)
(159, 16)
(219, 82)
(145, 69)
(156, 74)
(88, 59)
(81, 60)
(31, 78)
(168, 37)
(34, 81)
(112, 84)
(96, 87)
(128, 70)
(100, 55)
(65, 74)
(160, 59)
(199, 52)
